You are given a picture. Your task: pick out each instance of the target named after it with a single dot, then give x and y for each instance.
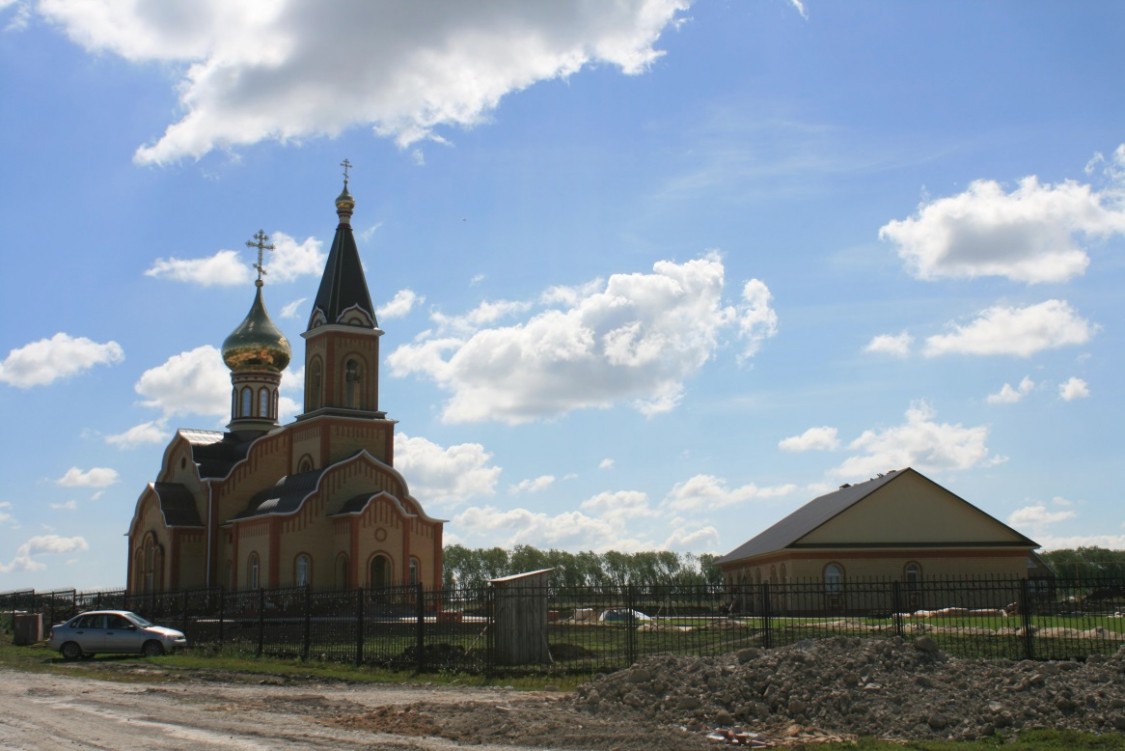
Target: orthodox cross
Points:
(347, 166)
(261, 244)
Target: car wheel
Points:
(70, 651)
(152, 649)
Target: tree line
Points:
(474, 567)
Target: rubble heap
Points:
(888, 688)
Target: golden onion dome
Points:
(257, 343)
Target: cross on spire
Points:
(347, 166)
(262, 244)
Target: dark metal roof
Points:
(285, 497)
(177, 504)
(343, 287)
(807, 518)
(215, 453)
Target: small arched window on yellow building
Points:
(833, 578)
(253, 567)
(301, 571)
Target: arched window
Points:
(150, 562)
(252, 571)
(342, 571)
(312, 398)
(246, 402)
(264, 402)
(305, 464)
(301, 570)
(912, 574)
(380, 572)
(353, 375)
(833, 578)
(413, 571)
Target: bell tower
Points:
(342, 339)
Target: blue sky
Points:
(652, 274)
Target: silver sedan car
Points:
(119, 631)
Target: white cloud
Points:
(533, 485)
(445, 475)
(1021, 332)
(5, 516)
(573, 530)
(1072, 542)
(288, 261)
(635, 338)
(97, 477)
(897, 345)
(67, 506)
(287, 71)
(1009, 395)
(606, 463)
(814, 439)
(194, 382)
(1027, 235)
(920, 442)
(25, 558)
(292, 309)
(685, 539)
(1037, 516)
(48, 360)
(401, 304)
(757, 321)
(703, 492)
(619, 507)
(1075, 388)
(154, 431)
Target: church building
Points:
(315, 502)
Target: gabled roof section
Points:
(285, 497)
(807, 518)
(343, 297)
(177, 504)
(215, 452)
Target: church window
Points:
(252, 571)
(245, 404)
(312, 398)
(912, 574)
(380, 572)
(353, 376)
(833, 578)
(342, 571)
(413, 569)
(301, 573)
(305, 464)
(264, 402)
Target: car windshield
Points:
(142, 622)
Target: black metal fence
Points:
(589, 629)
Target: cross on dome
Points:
(261, 244)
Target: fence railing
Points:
(606, 628)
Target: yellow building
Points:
(317, 501)
(900, 526)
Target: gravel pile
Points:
(888, 688)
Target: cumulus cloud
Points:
(635, 338)
(193, 382)
(27, 553)
(920, 442)
(402, 303)
(154, 431)
(703, 492)
(1038, 516)
(814, 439)
(1009, 394)
(1021, 332)
(97, 477)
(445, 475)
(574, 530)
(66, 506)
(1074, 388)
(292, 309)
(1028, 235)
(533, 485)
(287, 71)
(606, 463)
(288, 261)
(62, 356)
(897, 345)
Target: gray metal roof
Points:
(215, 452)
(285, 497)
(177, 504)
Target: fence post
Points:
(261, 620)
(359, 626)
(420, 610)
(1025, 614)
(222, 610)
(307, 637)
(896, 602)
(630, 632)
(183, 612)
(767, 636)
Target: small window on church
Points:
(312, 398)
(353, 375)
(833, 578)
(912, 574)
(301, 577)
(264, 402)
(244, 406)
(413, 569)
(252, 572)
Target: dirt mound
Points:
(887, 688)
